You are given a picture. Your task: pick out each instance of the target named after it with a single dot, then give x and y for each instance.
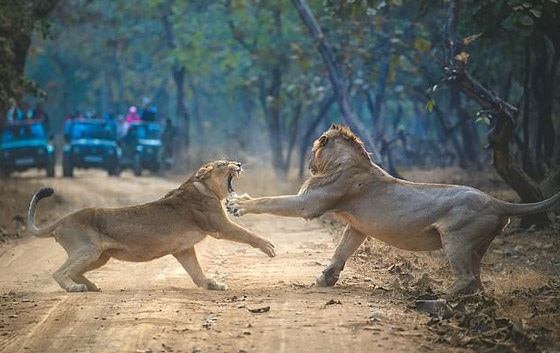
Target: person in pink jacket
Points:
(132, 115)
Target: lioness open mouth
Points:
(236, 173)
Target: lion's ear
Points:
(203, 172)
(323, 140)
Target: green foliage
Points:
(430, 105)
(18, 20)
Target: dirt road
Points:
(155, 307)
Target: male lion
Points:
(171, 225)
(411, 216)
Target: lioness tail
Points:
(45, 232)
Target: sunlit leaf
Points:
(430, 105)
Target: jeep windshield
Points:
(23, 132)
(83, 130)
(145, 132)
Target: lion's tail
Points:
(515, 209)
(45, 232)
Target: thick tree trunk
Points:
(336, 77)
(178, 73)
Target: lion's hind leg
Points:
(464, 247)
(189, 261)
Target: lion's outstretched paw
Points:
(211, 284)
(77, 288)
(234, 204)
(268, 247)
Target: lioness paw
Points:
(93, 287)
(211, 284)
(268, 248)
(77, 288)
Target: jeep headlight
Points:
(139, 148)
(50, 149)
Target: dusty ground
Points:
(155, 307)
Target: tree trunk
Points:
(178, 73)
(121, 104)
(199, 133)
(336, 77)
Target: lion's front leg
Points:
(350, 242)
(306, 205)
(190, 263)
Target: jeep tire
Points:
(67, 168)
(137, 165)
(50, 167)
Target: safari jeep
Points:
(26, 145)
(141, 147)
(90, 143)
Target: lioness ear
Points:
(203, 172)
(323, 140)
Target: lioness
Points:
(171, 225)
(411, 216)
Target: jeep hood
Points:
(24, 143)
(93, 142)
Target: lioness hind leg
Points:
(80, 278)
(75, 267)
(190, 263)
(350, 242)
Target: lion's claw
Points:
(234, 204)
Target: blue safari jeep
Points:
(26, 145)
(141, 147)
(90, 143)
